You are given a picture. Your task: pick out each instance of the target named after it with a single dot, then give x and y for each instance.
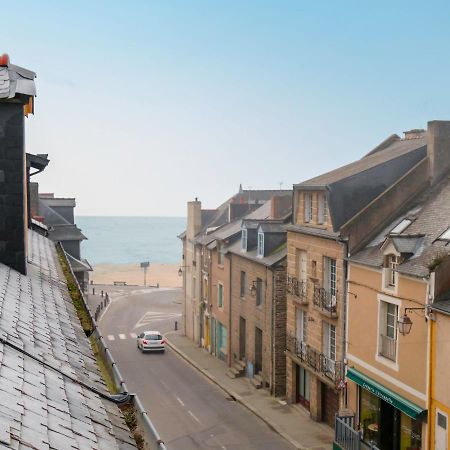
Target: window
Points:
(301, 325)
(322, 209)
(329, 340)
(308, 206)
(388, 330)
(391, 264)
(259, 291)
(301, 265)
(194, 287)
(260, 250)
(244, 239)
(220, 295)
(220, 255)
(402, 226)
(445, 236)
(243, 283)
(329, 281)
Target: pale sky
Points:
(144, 105)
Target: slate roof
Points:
(350, 188)
(268, 260)
(67, 232)
(430, 215)
(41, 407)
(15, 80)
(79, 265)
(442, 303)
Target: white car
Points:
(151, 341)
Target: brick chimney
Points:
(194, 218)
(280, 206)
(438, 149)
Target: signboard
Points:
(145, 264)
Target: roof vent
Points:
(416, 133)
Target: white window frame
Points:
(244, 239)
(308, 207)
(329, 340)
(330, 275)
(382, 327)
(260, 249)
(220, 255)
(301, 325)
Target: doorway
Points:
(302, 383)
(258, 350)
(242, 326)
(440, 435)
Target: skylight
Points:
(445, 236)
(402, 226)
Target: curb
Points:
(238, 398)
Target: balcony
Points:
(325, 302)
(320, 363)
(298, 288)
(388, 347)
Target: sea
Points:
(131, 240)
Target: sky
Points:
(144, 105)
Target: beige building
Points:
(392, 284)
(330, 220)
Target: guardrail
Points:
(151, 435)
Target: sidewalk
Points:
(291, 422)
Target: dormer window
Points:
(308, 206)
(322, 209)
(260, 250)
(391, 263)
(244, 239)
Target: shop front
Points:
(386, 419)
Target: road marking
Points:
(155, 316)
(179, 401)
(111, 337)
(193, 416)
(122, 336)
(133, 335)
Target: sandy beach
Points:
(164, 274)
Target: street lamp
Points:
(405, 323)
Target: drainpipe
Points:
(230, 356)
(344, 301)
(272, 337)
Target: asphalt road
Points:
(188, 410)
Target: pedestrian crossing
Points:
(121, 336)
(155, 316)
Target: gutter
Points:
(151, 435)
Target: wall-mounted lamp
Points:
(405, 323)
(180, 270)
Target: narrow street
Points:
(187, 409)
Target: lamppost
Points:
(405, 323)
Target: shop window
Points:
(369, 416)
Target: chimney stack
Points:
(17, 92)
(438, 149)
(194, 218)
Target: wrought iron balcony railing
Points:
(318, 361)
(388, 347)
(297, 288)
(325, 300)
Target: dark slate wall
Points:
(64, 211)
(72, 248)
(12, 195)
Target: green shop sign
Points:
(397, 401)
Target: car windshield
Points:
(153, 337)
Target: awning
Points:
(396, 400)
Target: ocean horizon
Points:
(131, 239)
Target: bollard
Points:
(176, 325)
(102, 292)
(93, 291)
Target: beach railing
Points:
(151, 436)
